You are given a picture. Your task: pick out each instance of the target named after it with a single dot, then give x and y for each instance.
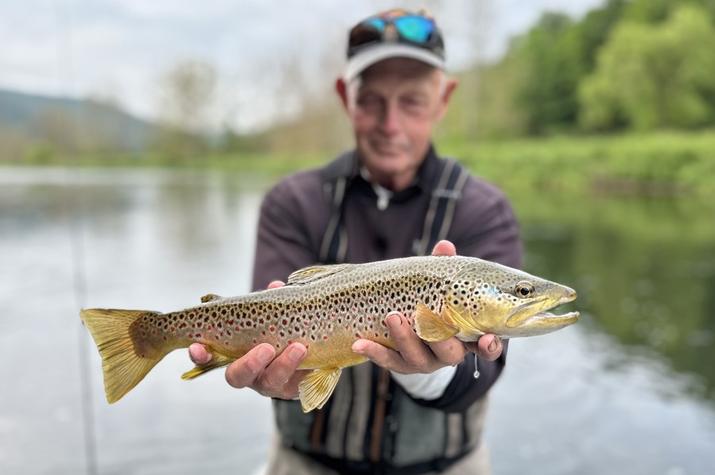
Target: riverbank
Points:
(660, 164)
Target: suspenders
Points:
(333, 249)
(437, 220)
(441, 208)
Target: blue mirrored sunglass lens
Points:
(377, 23)
(414, 28)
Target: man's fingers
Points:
(451, 351)
(198, 354)
(275, 284)
(380, 355)
(290, 389)
(245, 371)
(489, 347)
(444, 248)
(408, 344)
(278, 373)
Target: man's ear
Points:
(341, 88)
(449, 88)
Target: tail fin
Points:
(123, 368)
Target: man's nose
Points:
(391, 120)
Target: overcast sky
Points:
(121, 48)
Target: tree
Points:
(188, 93)
(651, 76)
(550, 70)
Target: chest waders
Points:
(397, 431)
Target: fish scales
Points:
(327, 308)
(346, 306)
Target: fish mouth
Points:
(537, 313)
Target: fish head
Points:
(486, 297)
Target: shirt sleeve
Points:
(495, 238)
(426, 386)
(283, 241)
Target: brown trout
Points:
(327, 308)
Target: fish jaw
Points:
(534, 318)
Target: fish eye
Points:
(524, 289)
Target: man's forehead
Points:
(403, 69)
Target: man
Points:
(418, 409)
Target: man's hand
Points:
(260, 369)
(413, 355)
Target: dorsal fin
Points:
(309, 274)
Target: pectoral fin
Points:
(430, 327)
(217, 360)
(452, 315)
(317, 386)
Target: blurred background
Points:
(136, 141)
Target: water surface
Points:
(629, 390)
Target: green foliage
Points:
(628, 65)
(550, 69)
(40, 154)
(593, 30)
(654, 76)
(658, 164)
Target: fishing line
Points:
(73, 215)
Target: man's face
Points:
(393, 108)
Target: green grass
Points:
(657, 163)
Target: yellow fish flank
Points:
(327, 308)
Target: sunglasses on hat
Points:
(396, 26)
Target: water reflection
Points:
(645, 271)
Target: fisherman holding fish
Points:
(419, 408)
(368, 350)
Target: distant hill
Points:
(32, 115)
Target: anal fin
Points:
(317, 387)
(430, 327)
(217, 360)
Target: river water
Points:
(629, 390)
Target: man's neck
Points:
(393, 183)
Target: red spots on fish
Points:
(237, 328)
(272, 329)
(325, 337)
(197, 335)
